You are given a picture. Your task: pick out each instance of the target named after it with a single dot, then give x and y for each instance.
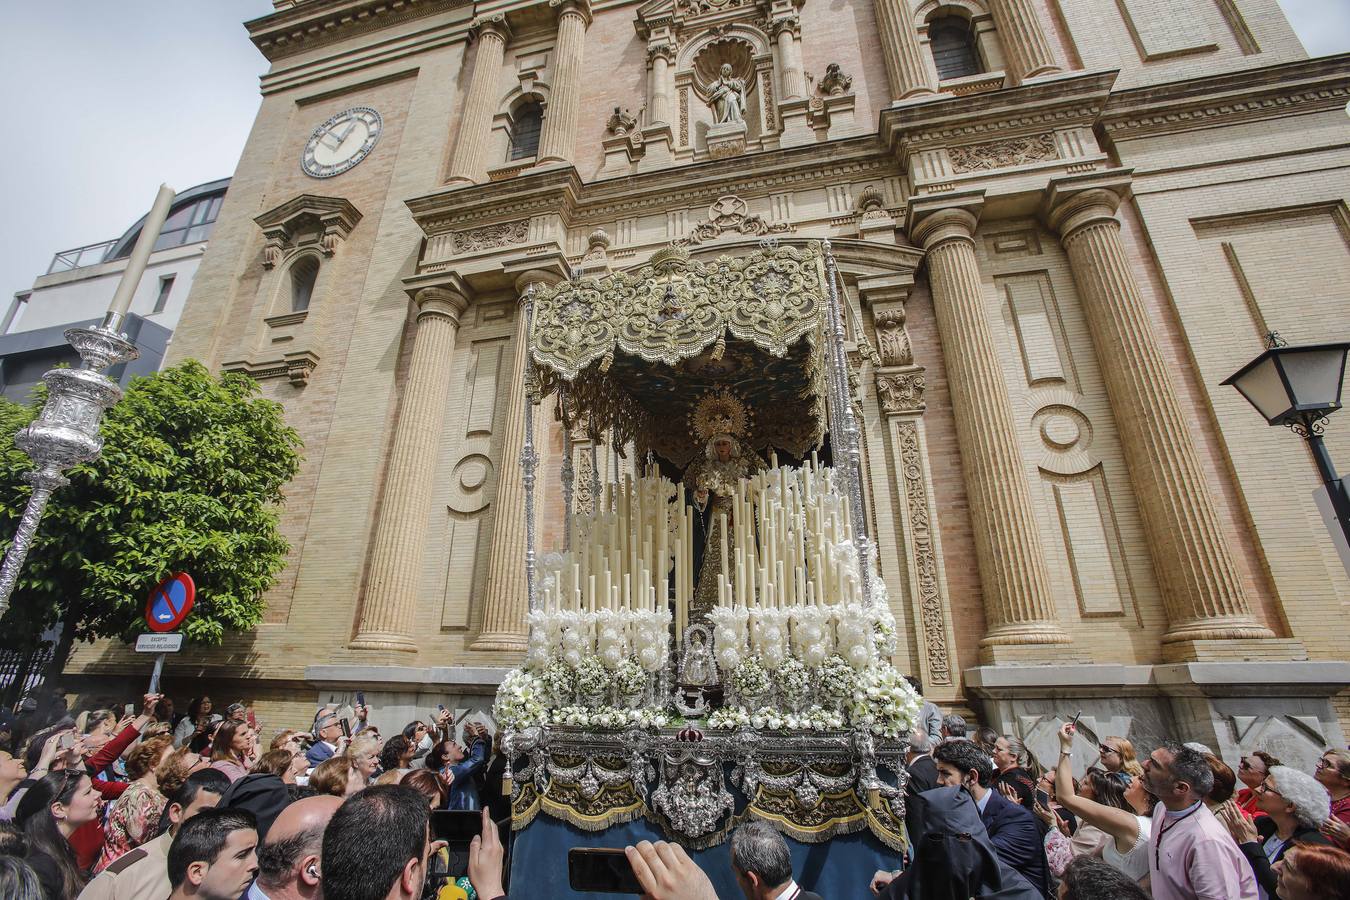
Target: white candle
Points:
(140, 256)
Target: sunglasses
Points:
(1103, 750)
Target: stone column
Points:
(793, 80)
(475, 123)
(391, 584)
(1202, 590)
(905, 63)
(662, 84)
(559, 136)
(1023, 39)
(505, 603)
(1018, 602)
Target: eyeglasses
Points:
(1265, 788)
(1323, 764)
(1103, 750)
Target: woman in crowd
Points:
(135, 815)
(1011, 759)
(985, 738)
(430, 785)
(13, 771)
(1333, 773)
(1252, 770)
(397, 755)
(194, 731)
(288, 765)
(1296, 804)
(1127, 827)
(18, 881)
(1117, 757)
(1311, 872)
(1221, 794)
(53, 810)
(365, 755)
(337, 776)
(232, 749)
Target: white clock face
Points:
(340, 143)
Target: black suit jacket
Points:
(922, 777)
(1013, 832)
(808, 895)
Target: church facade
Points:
(1059, 225)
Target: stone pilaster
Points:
(905, 62)
(505, 603)
(793, 77)
(475, 123)
(559, 137)
(391, 585)
(1019, 606)
(1202, 590)
(1023, 39)
(661, 84)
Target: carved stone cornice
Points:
(1028, 109)
(305, 26)
(335, 216)
(1306, 86)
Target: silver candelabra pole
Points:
(65, 433)
(529, 459)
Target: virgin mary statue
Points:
(711, 481)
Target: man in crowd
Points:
(930, 717)
(327, 734)
(1012, 828)
(214, 856)
(923, 776)
(953, 728)
(289, 858)
(143, 872)
(762, 864)
(1191, 854)
(376, 846)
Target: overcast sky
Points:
(107, 99)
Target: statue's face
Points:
(722, 448)
(726, 70)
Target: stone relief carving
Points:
(893, 338)
(901, 392)
(731, 213)
(872, 204)
(766, 95)
(697, 7)
(835, 81)
(1003, 154)
(925, 558)
(489, 237)
(621, 121)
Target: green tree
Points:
(190, 480)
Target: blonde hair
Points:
(1128, 762)
(330, 776)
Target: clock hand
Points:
(346, 133)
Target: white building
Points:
(79, 284)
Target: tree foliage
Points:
(190, 479)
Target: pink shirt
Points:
(1193, 857)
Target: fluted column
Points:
(475, 122)
(504, 599)
(1023, 39)
(391, 585)
(1202, 590)
(559, 135)
(662, 85)
(905, 62)
(793, 81)
(1017, 597)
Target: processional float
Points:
(712, 643)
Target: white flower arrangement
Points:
(609, 717)
(520, 700)
(650, 637)
(592, 677)
(749, 678)
(835, 679)
(559, 680)
(793, 680)
(853, 631)
(884, 703)
(729, 717)
(630, 678)
(730, 627)
(812, 641)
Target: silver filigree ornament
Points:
(65, 433)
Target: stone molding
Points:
(296, 366)
(900, 390)
(280, 225)
(309, 25)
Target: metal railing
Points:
(21, 671)
(89, 255)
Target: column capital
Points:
(544, 269)
(1073, 202)
(491, 25)
(441, 301)
(580, 8)
(935, 220)
(663, 50)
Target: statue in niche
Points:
(727, 97)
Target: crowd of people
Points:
(156, 805)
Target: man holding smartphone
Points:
(328, 731)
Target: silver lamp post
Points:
(1298, 387)
(66, 432)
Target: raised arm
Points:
(1121, 825)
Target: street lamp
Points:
(1298, 387)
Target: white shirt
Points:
(255, 892)
(789, 891)
(981, 803)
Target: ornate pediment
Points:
(306, 219)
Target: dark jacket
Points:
(953, 855)
(1261, 866)
(922, 777)
(1013, 832)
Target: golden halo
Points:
(720, 411)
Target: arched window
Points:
(303, 275)
(525, 125)
(953, 44)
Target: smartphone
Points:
(346, 728)
(1043, 798)
(130, 709)
(601, 870)
(360, 698)
(457, 827)
(67, 741)
(440, 707)
(1073, 723)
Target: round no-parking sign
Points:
(170, 602)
